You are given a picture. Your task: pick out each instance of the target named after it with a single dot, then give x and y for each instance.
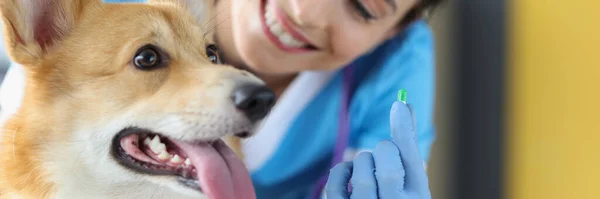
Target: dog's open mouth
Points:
(207, 166)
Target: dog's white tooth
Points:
(154, 148)
(164, 155)
(147, 141)
(188, 162)
(157, 147)
(176, 159)
(156, 139)
(161, 148)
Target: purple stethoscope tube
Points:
(343, 130)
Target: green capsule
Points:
(402, 95)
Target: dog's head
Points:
(130, 100)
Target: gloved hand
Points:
(394, 170)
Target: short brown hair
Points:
(419, 10)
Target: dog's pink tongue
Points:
(221, 174)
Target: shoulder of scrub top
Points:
(404, 61)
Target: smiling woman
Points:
(316, 32)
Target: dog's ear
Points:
(33, 27)
(200, 9)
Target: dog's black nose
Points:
(254, 100)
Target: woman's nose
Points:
(311, 13)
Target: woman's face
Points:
(289, 36)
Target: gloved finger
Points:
(402, 121)
(413, 116)
(404, 136)
(337, 182)
(363, 181)
(389, 170)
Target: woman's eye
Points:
(212, 52)
(362, 10)
(147, 58)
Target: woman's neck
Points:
(278, 83)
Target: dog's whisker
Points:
(78, 156)
(211, 19)
(213, 28)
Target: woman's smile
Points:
(284, 37)
(280, 31)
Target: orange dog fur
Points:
(82, 88)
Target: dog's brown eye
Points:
(147, 58)
(212, 52)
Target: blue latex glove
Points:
(394, 170)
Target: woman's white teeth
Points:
(290, 41)
(188, 162)
(269, 16)
(277, 30)
(156, 146)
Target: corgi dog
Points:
(125, 101)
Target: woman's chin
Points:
(269, 69)
(260, 59)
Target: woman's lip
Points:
(286, 25)
(274, 38)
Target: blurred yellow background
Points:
(554, 83)
(552, 100)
